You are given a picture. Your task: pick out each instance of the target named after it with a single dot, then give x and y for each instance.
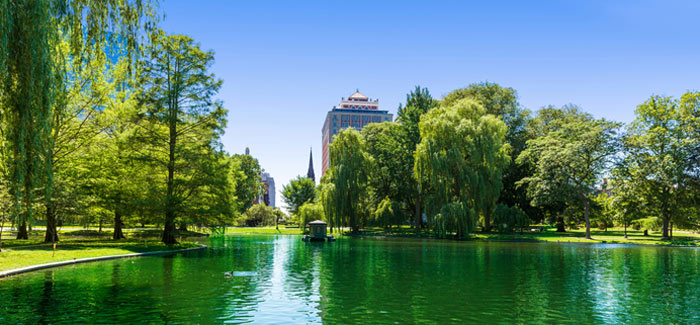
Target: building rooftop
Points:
(358, 96)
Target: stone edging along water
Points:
(91, 259)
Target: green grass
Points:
(262, 230)
(22, 253)
(612, 235)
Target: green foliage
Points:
(309, 212)
(604, 211)
(348, 176)
(299, 191)
(418, 102)
(660, 162)
(390, 173)
(507, 219)
(245, 174)
(179, 123)
(388, 213)
(649, 223)
(503, 102)
(461, 155)
(44, 47)
(569, 155)
(258, 215)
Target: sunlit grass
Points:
(262, 230)
(612, 235)
(22, 253)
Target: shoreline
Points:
(32, 268)
(593, 241)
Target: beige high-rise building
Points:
(356, 111)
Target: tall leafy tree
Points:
(181, 121)
(391, 170)
(299, 191)
(418, 102)
(32, 81)
(569, 158)
(462, 155)
(659, 154)
(348, 176)
(245, 172)
(503, 102)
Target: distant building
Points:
(356, 112)
(268, 196)
(310, 173)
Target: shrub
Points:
(507, 219)
(650, 223)
(256, 216)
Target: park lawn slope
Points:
(262, 230)
(611, 236)
(17, 254)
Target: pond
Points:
(280, 279)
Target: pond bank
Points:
(37, 267)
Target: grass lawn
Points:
(21, 253)
(262, 230)
(612, 235)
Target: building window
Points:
(334, 125)
(335, 117)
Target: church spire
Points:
(310, 173)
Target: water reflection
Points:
(284, 280)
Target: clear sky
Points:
(285, 64)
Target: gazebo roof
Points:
(318, 222)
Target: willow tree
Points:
(181, 122)
(348, 176)
(502, 102)
(327, 199)
(461, 154)
(569, 158)
(32, 82)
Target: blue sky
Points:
(285, 64)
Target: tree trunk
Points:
(169, 230)
(664, 233)
(1, 226)
(100, 225)
(118, 233)
(625, 222)
(670, 230)
(51, 232)
(22, 230)
(665, 215)
(587, 216)
(560, 224)
(487, 220)
(416, 224)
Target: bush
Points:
(507, 219)
(256, 216)
(388, 213)
(650, 223)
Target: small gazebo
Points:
(317, 231)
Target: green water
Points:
(280, 279)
